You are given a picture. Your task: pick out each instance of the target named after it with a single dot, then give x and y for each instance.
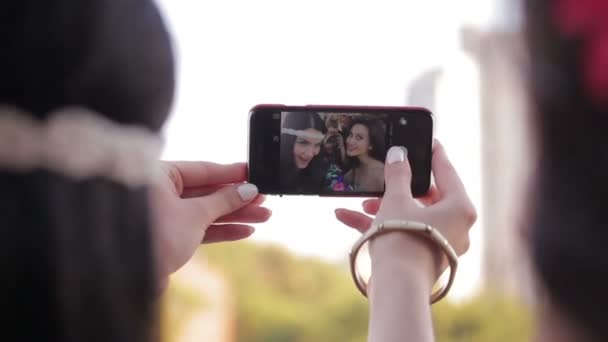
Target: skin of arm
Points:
(405, 266)
(400, 288)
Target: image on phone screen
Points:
(335, 150)
(332, 152)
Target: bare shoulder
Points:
(377, 175)
(349, 175)
(376, 164)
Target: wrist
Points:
(400, 274)
(399, 304)
(406, 255)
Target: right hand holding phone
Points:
(446, 207)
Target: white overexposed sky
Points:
(233, 54)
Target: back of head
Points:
(78, 256)
(570, 223)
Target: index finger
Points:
(446, 178)
(196, 174)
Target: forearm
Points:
(399, 300)
(402, 278)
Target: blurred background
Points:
(290, 282)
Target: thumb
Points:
(227, 200)
(397, 174)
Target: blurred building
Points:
(211, 321)
(423, 89)
(498, 51)
(500, 54)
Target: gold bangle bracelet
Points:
(418, 228)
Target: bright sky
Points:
(233, 54)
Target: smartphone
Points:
(335, 150)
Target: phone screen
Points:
(337, 151)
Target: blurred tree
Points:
(178, 303)
(486, 317)
(284, 298)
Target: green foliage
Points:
(179, 302)
(487, 317)
(283, 298)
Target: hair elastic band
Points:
(80, 144)
(303, 134)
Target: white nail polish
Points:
(396, 154)
(247, 191)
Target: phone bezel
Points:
(421, 173)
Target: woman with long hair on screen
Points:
(365, 148)
(302, 169)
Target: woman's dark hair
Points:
(570, 220)
(336, 152)
(308, 179)
(78, 256)
(377, 138)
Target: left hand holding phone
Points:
(447, 208)
(201, 202)
(404, 266)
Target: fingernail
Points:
(367, 202)
(247, 191)
(396, 154)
